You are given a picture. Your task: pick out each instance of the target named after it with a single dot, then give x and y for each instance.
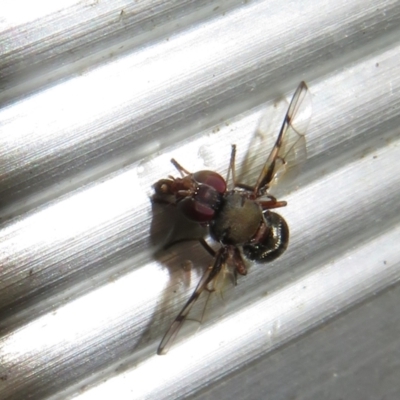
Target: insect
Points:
(239, 219)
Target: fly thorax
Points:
(237, 219)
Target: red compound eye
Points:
(212, 179)
(196, 211)
(201, 206)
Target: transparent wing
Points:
(212, 281)
(289, 148)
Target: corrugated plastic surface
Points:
(96, 97)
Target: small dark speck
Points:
(121, 15)
(375, 157)
(216, 8)
(3, 377)
(377, 65)
(31, 272)
(384, 261)
(83, 389)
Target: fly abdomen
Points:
(270, 241)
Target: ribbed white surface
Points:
(96, 98)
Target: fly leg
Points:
(179, 167)
(202, 241)
(272, 203)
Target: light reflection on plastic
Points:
(84, 319)
(93, 209)
(274, 320)
(19, 12)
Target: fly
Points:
(240, 219)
